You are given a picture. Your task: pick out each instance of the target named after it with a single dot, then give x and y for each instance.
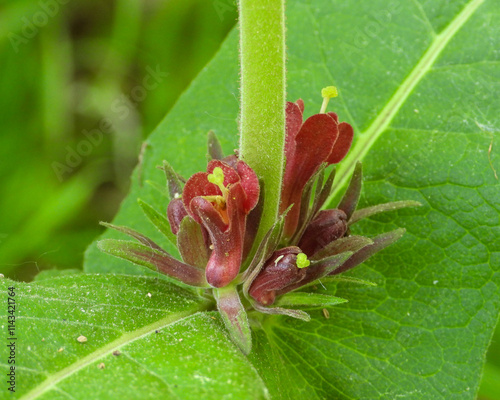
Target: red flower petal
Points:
(279, 272)
(342, 145)
(230, 174)
(334, 116)
(293, 125)
(313, 145)
(227, 240)
(208, 215)
(198, 185)
(300, 103)
(250, 184)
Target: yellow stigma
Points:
(217, 178)
(327, 93)
(302, 261)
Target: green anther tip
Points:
(329, 92)
(302, 261)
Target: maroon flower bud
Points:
(320, 139)
(220, 199)
(328, 226)
(279, 272)
(231, 160)
(176, 213)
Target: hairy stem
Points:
(263, 95)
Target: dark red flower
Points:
(213, 219)
(320, 139)
(289, 269)
(220, 199)
(329, 225)
(279, 272)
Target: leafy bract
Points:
(418, 80)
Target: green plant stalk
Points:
(263, 96)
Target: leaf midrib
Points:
(368, 138)
(127, 338)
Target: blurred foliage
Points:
(70, 69)
(490, 384)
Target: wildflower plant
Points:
(213, 216)
(293, 235)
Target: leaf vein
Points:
(52, 381)
(387, 114)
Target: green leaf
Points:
(54, 273)
(145, 338)
(419, 83)
(490, 387)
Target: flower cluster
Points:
(213, 216)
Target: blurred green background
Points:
(83, 82)
(74, 69)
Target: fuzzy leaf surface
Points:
(146, 338)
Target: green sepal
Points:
(380, 208)
(306, 212)
(330, 264)
(158, 220)
(214, 147)
(191, 243)
(174, 180)
(234, 316)
(309, 299)
(380, 242)
(133, 233)
(266, 248)
(326, 189)
(299, 314)
(155, 260)
(350, 243)
(319, 269)
(350, 199)
(348, 279)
